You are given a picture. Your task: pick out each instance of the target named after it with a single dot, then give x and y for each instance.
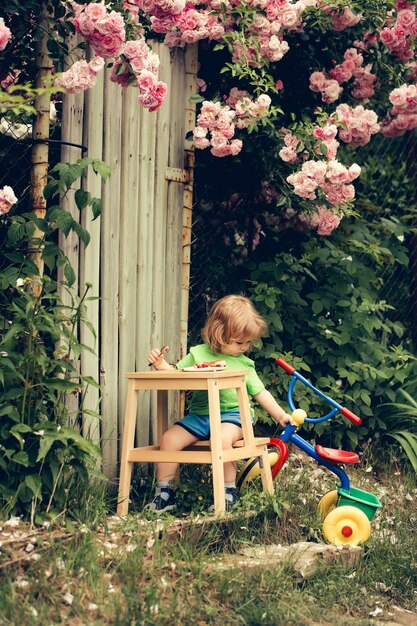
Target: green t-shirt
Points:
(228, 397)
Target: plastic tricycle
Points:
(346, 512)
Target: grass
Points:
(143, 571)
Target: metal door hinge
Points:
(177, 174)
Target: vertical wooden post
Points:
(40, 150)
(90, 259)
(128, 248)
(71, 132)
(109, 277)
(190, 89)
(412, 239)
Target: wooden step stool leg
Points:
(128, 444)
(266, 474)
(216, 448)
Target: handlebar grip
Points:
(351, 416)
(285, 366)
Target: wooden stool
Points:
(202, 452)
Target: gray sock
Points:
(163, 483)
(229, 485)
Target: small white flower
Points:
(68, 598)
(92, 606)
(154, 609)
(150, 543)
(368, 469)
(3, 353)
(400, 238)
(13, 522)
(22, 583)
(20, 282)
(376, 612)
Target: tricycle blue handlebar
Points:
(336, 406)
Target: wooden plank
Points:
(109, 271)
(189, 123)
(128, 240)
(90, 257)
(160, 307)
(72, 132)
(146, 260)
(175, 191)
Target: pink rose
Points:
(406, 18)
(5, 34)
(7, 199)
(95, 11)
(328, 222)
(388, 37)
(146, 81)
(317, 80)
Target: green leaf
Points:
(91, 381)
(44, 447)
(50, 189)
(316, 307)
(96, 207)
(21, 458)
(82, 233)
(408, 441)
(69, 274)
(196, 97)
(102, 169)
(68, 172)
(34, 482)
(63, 219)
(82, 198)
(61, 384)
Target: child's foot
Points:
(163, 501)
(232, 497)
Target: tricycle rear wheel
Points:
(346, 526)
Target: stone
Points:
(304, 557)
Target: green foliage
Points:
(42, 457)
(401, 419)
(45, 462)
(326, 317)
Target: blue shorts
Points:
(199, 425)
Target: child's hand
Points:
(156, 358)
(285, 419)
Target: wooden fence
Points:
(138, 258)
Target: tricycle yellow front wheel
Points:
(346, 526)
(327, 503)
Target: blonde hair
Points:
(232, 318)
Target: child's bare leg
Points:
(230, 434)
(176, 438)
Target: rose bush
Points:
(259, 40)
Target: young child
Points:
(232, 324)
